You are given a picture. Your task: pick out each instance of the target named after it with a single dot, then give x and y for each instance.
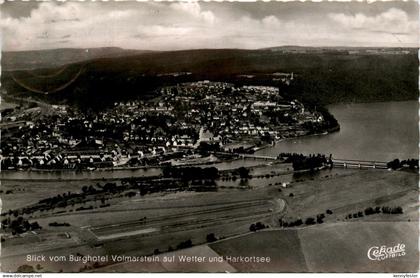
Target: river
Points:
(369, 131)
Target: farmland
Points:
(160, 222)
(338, 247)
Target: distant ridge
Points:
(50, 58)
(99, 77)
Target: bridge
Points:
(358, 164)
(264, 157)
(337, 162)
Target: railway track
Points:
(157, 220)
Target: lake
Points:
(369, 131)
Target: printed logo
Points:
(380, 253)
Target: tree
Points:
(260, 226)
(298, 222)
(243, 173)
(398, 210)
(310, 221)
(211, 237)
(394, 164)
(85, 189)
(35, 226)
(369, 211)
(185, 244)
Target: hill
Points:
(321, 76)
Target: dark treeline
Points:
(318, 219)
(19, 225)
(376, 210)
(242, 172)
(321, 78)
(303, 162)
(257, 226)
(409, 163)
(56, 224)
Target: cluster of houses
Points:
(233, 113)
(180, 118)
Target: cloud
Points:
(271, 21)
(161, 31)
(194, 9)
(391, 21)
(184, 25)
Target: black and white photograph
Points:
(209, 137)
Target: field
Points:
(283, 247)
(159, 222)
(338, 247)
(139, 225)
(22, 193)
(350, 191)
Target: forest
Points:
(320, 77)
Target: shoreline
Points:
(327, 132)
(111, 169)
(146, 168)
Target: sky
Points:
(192, 25)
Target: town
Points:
(180, 122)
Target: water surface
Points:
(369, 131)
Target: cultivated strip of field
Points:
(337, 247)
(283, 248)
